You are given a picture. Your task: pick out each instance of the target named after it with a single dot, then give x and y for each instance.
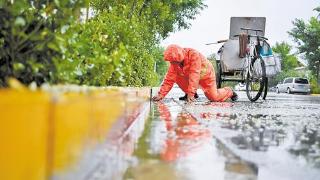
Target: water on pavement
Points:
(274, 139)
(175, 145)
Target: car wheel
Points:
(277, 90)
(288, 91)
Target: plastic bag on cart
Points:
(272, 62)
(273, 65)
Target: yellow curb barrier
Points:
(46, 133)
(24, 134)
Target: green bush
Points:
(28, 38)
(108, 50)
(315, 88)
(43, 41)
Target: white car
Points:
(294, 85)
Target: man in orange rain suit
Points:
(190, 69)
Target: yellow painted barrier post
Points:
(24, 133)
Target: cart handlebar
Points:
(220, 41)
(261, 37)
(250, 29)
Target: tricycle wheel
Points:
(265, 89)
(219, 74)
(255, 80)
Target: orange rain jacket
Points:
(190, 69)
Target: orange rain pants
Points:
(192, 71)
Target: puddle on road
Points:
(230, 141)
(227, 140)
(269, 134)
(174, 145)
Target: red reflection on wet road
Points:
(220, 104)
(210, 115)
(186, 135)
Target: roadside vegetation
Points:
(89, 42)
(115, 42)
(307, 38)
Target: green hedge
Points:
(44, 41)
(315, 88)
(108, 50)
(28, 38)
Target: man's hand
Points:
(190, 99)
(157, 98)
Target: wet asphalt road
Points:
(278, 138)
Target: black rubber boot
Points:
(184, 98)
(234, 96)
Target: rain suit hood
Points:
(174, 53)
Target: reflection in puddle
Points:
(236, 168)
(151, 169)
(255, 134)
(174, 145)
(259, 131)
(307, 142)
(270, 135)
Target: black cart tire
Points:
(255, 79)
(265, 89)
(219, 74)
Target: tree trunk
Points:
(133, 7)
(318, 69)
(87, 13)
(144, 5)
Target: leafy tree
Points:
(120, 44)
(44, 41)
(163, 16)
(307, 35)
(161, 65)
(27, 37)
(318, 10)
(288, 64)
(108, 50)
(289, 61)
(212, 58)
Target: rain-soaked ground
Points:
(274, 139)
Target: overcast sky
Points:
(213, 22)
